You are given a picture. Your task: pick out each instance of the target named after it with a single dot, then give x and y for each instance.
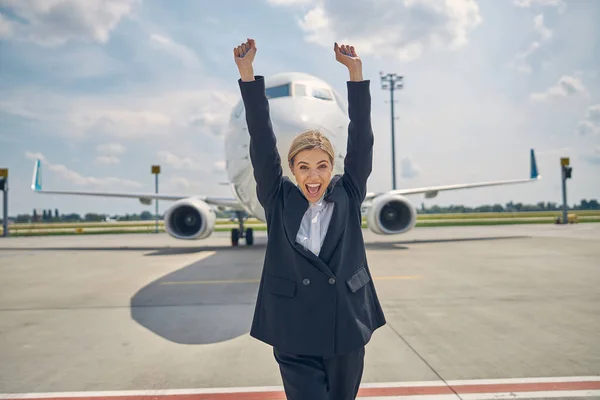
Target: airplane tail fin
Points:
(534, 169)
(36, 183)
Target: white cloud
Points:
(179, 162)
(119, 122)
(289, 2)
(76, 178)
(593, 114)
(591, 124)
(111, 148)
(175, 184)
(543, 31)
(55, 22)
(126, 116)
(184, 53)
(530, 3)
(593, 157)
(520, 60)
(404, 30)
(566, 86)
(107, 160)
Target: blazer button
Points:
(331, 281)
(306, 281)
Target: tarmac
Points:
(473, 313)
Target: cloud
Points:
(55, 22)
(289, 2)
(107, 160)
(560, 4)
(591, 124)
(111, 148)
(119, 122)
(125, 116)
(593, 157)
(76, 178)
(566, 86)
(593, 114)
(520, 60)
(178, 162)
(408, 169)
(404, 30)
(538, 24)
(187, 56)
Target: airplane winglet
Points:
(534, 168)
(36, 183)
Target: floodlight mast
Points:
(392, 82)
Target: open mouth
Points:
(313, 188)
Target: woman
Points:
(316, 304)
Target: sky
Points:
(101, 90)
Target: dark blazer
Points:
(325, 305)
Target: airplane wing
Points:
(144, 198)
(432, 191)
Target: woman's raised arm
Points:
(263, 144)
(359, 152)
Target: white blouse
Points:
(314, 226)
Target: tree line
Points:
(509, 207)
(56, 216)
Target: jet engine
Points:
(190, 219)
(391, 214)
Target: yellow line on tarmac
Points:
(387, 278)
(257, 280)
(209, 282)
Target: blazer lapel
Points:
(336, 225)
(295, 208)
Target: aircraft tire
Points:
(235, 237)
(249, 236)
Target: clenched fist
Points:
(244, 56)
(346, 55)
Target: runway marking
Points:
(223, 281)
(388, 278)
(428, 390)
(209, 282)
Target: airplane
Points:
(298, 102)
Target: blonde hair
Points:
(312, 139)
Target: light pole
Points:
(566, 171)
(392, 82)
(156, 171)
(4, 189)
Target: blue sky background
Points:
(101, 90)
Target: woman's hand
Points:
(244, 56)
(347, 56)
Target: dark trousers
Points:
(319, 378)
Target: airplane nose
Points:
(290, 118)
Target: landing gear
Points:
(238, 233)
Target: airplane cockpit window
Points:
(278, 91)
(323, 94)
(302, 90)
